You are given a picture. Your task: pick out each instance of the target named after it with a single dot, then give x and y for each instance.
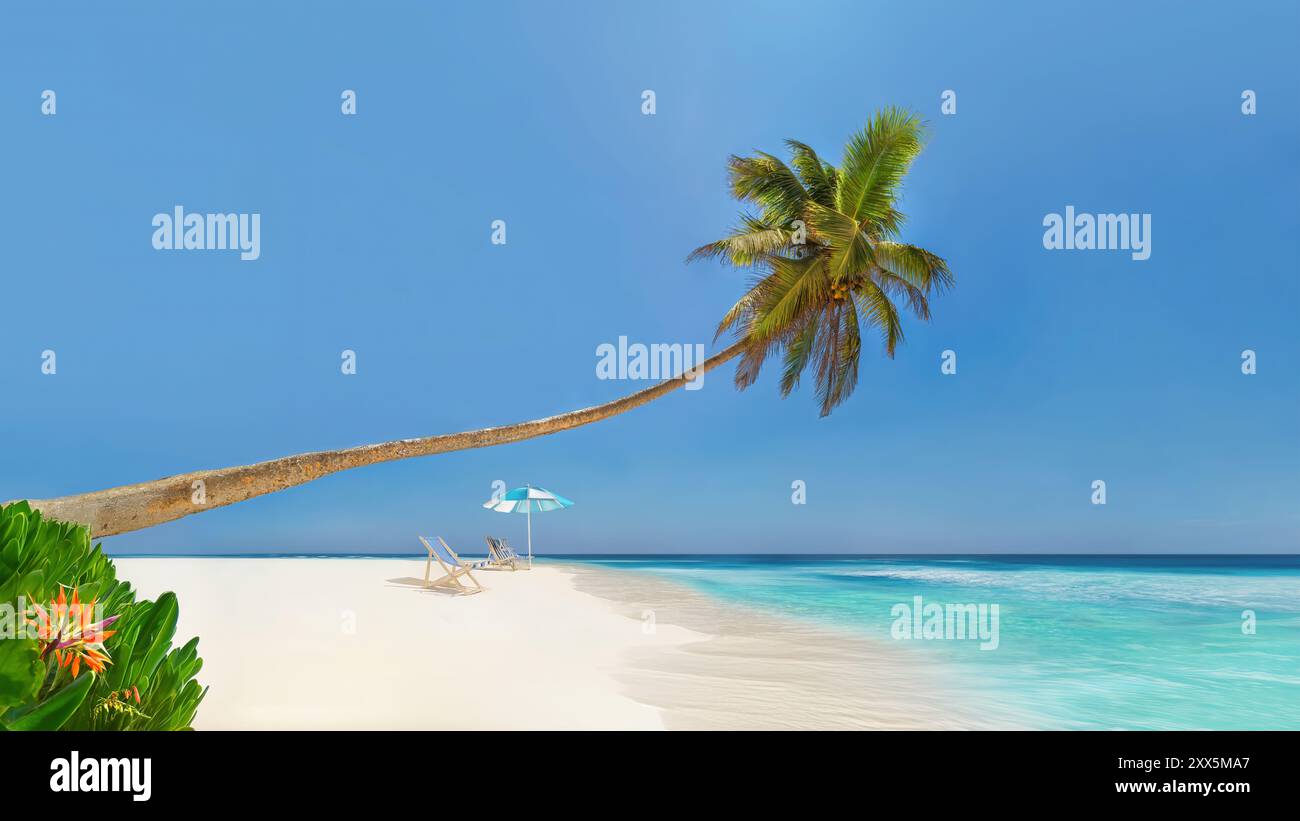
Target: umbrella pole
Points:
(530, 536)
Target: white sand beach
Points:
(357, 644)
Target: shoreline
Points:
(756, 670)
(357, 644)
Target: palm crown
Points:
(824, 249)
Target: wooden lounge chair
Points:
(502, 555)
(453, 568)
(497, 555)
(521, 562)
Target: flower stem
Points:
(51, 675)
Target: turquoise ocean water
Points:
(1091, 642)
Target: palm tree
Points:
(826, 260)
(824, 250)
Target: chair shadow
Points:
(412, 583)
(406, 581)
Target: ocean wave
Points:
(1275, 594)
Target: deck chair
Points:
(497, 556)
(453, 568)
(520, 561)
(502, 555)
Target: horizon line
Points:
(380, 554)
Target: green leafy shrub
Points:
(149, 685)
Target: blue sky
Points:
(1072, 366)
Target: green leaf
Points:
(14, 529)
(159, 633)
(21, 671)
(51, 713)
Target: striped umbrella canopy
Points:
(526, 499)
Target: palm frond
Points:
(875, 161)
(768, 182)
(795, 286)
(751, 363)
(848, 248)
(838, 357)
(817, 175)
(798, 350)
(918, 266)
(896, 287)
(747, 244)
(739, 317)
(879, 310)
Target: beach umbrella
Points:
(525, 500)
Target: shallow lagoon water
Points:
(1084, 642)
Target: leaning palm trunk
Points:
(135, 507)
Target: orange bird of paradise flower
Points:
(66, 631)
